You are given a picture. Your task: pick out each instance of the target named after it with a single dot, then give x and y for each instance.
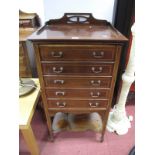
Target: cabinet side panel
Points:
(42, 85)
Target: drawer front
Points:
(84, 82)
(77, 103)
(77, 69)
(78, 93)
(71, 53)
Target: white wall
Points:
(50, 9)
(102, 9)
(33, 6)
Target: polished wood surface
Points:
(78, 82)
(63, 32)
(77, 93)
(91, 69)
(81, 53)
(91, 29)
(66, 103)
(77, 60)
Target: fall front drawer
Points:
(77, 93)
(84, 82)
(70, 52)
(77, 103)
(101, 69)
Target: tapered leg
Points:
(51, 135)
(102, 137)
(30, 140)
(49, 121)
(104, 117)
(101, 113)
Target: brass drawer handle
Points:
(57, 70)
(59, 93)
(61, 105)
(98, 55)
(94, 105)
(59, 81)
(95, 95)
(57, 54)
(99, 70)
(95, 83)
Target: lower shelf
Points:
(77, 122)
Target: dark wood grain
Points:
(91, 69)
(79, 53)
(66, 65)
(96, 30)
(77, 18)
(77, 82)
(77, 103)
(65, 32)
(78, 93)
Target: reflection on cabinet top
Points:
(78, 26)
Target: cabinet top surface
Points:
(69, 27)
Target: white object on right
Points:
(118, 120)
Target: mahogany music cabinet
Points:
(77, 60)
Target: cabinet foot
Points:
(102, 138)
(51, 137)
